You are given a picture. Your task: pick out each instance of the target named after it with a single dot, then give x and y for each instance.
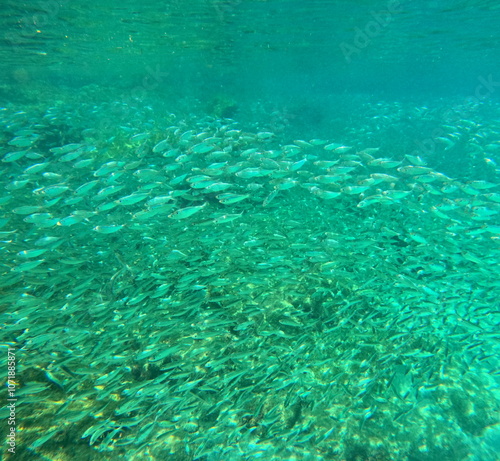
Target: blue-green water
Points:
(240, 230)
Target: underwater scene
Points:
(250, 230)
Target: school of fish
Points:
(187, 289)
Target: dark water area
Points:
(395, 47)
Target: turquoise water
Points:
(240, 230)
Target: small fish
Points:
(418, 238)
(36, 168)
(327, 179)
(325, 194)
(14, 156)
(32, 253)
(226, 218)
(22, 141)
(396, 194)
(41, 440)
(140, 137)
(84, 189)
(184, 213)
(51, 191)
(481, 185)
(253, 173)
(110, 190)
(270, 198)
(217, 187)
(83, 163)
(384, 177)
(27, 266)
(70, 221)
(333, 146)
(384, 163)
(161, 146)
(298, 165)
(374, 199)
(147, 214)
(71, 156)
(229, 198)
(202, 148)
(416, 160)
(35, 218)
(493, 196)
(286, 184)
(108, 229)
(65, 149)
(414, 170)
(354, 190)
(45, 241)
(108, 168)
(132, 199)
(27, 209)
